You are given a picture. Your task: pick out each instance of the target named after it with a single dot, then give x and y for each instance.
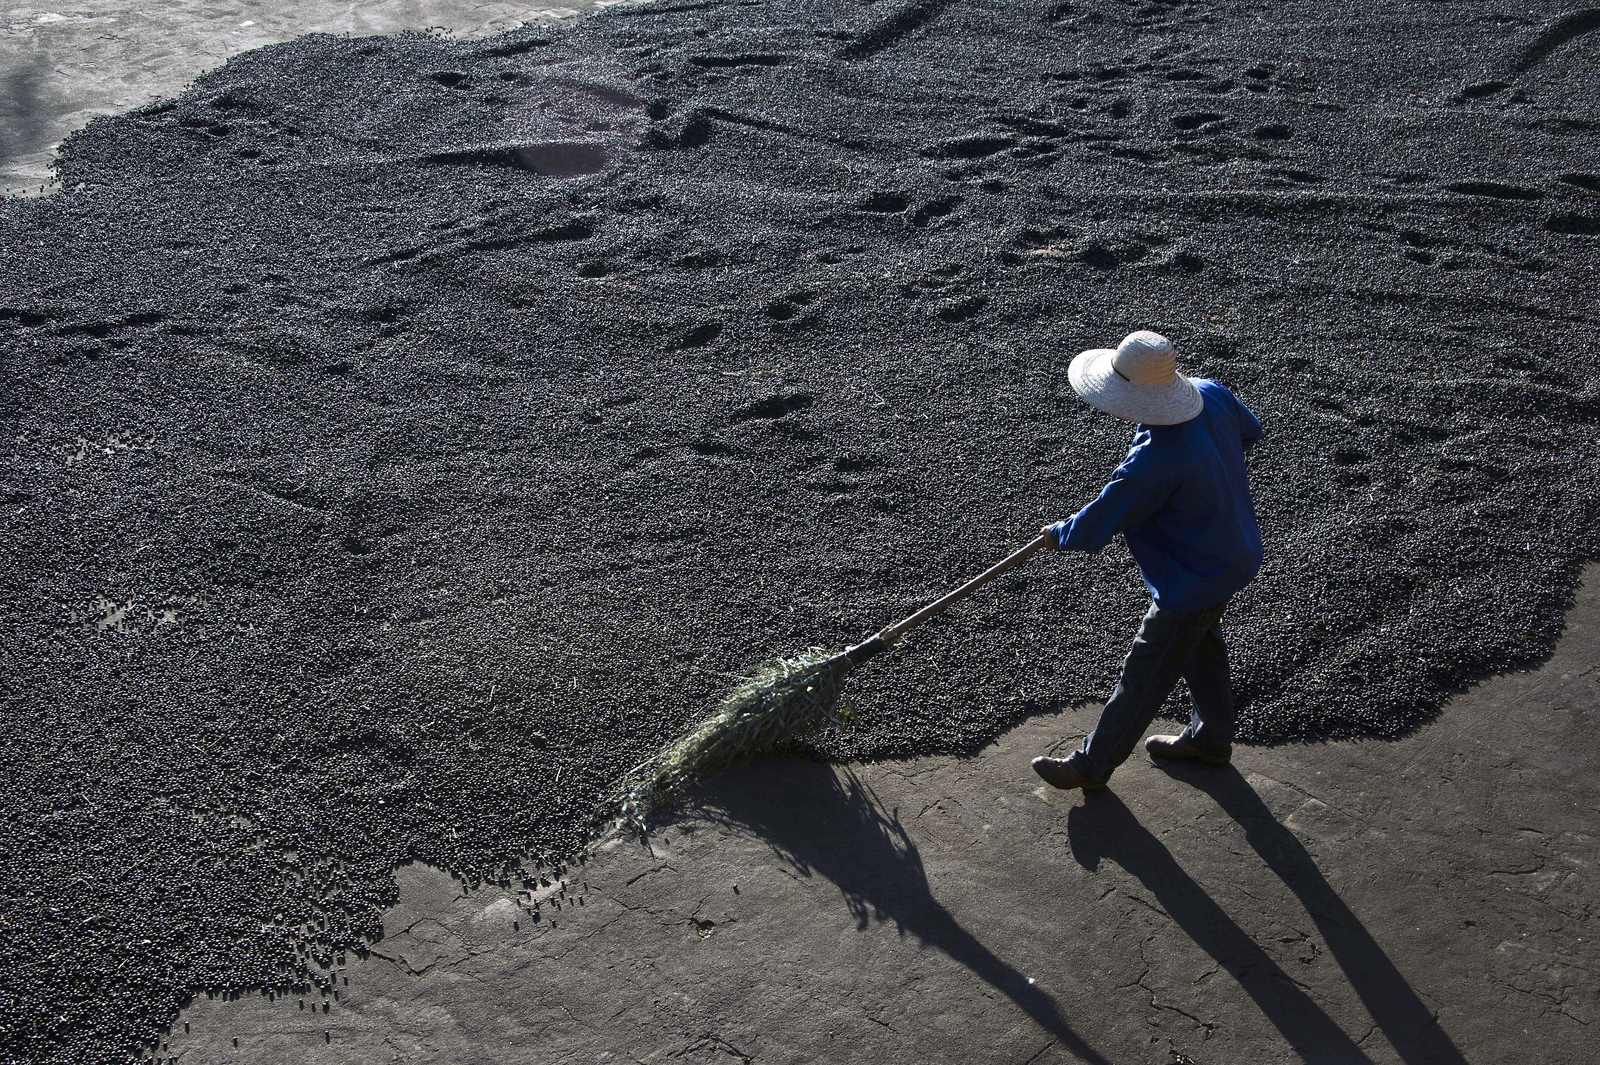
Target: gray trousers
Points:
(1168, 646)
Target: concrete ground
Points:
(62, 64)
(1431, 900)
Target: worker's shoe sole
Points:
(1181, 749)
(1061, 773)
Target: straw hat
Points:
(1138, 382)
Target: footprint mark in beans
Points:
(786, 308)
(774, 407)
(1200, 122)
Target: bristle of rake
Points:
(782, 700)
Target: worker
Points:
(1181, 500)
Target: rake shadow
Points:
(829, 823)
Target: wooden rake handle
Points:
(887, 637)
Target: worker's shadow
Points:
(826, 822)
(1104, 828)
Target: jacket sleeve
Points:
(1250, 429)
(1134, 492)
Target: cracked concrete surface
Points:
(1430, 900)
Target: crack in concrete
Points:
(718, 1043)
(1207, 1026)
(1155, 1002)
(585, 938)
(1036, 1055)
(1152, 907)
(649, 872)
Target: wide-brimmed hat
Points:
(1137, 382)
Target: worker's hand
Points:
(1052, 536)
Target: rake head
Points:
(781, 701)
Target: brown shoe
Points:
(1181, 749)
(1061, 773)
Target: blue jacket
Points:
(1181, 499)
